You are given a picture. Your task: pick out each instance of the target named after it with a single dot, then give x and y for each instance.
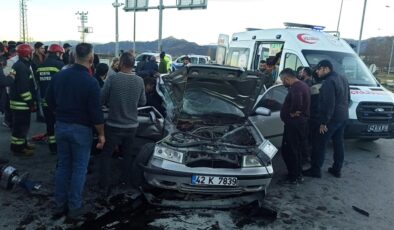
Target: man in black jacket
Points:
(52, 64)
(333, 113)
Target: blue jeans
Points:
(335, 133)
(73, 150)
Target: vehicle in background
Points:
(371, 110)
(147, 55)
(211, 143)
(194, 59)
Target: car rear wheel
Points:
(137, 172)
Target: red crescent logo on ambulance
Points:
(306, 38)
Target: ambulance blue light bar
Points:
(298, 25)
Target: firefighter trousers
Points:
(49, 116)
(20, 128)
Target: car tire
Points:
(137, 172)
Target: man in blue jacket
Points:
(75, 97)
(333, 113)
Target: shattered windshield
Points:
(346, 64)
(198, 103)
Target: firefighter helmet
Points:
(24, 50)
(55, 48)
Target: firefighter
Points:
(52, 64)
(21, 101)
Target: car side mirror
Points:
(263, 111)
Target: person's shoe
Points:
(300, 180)
(76, 214)
(288, 181)
(58, 212)
(30, 146)
(23, 152)
(311, 173)
(334, 172)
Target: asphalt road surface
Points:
(367, 183)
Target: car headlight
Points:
(168, 154)
(250, 161)
(268, 148)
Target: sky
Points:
(55, 20)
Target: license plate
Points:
(214, 180)
(378, 128)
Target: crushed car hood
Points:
(221, 90)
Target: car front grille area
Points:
(212, 160)
(375, 112)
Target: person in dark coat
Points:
(101, 73)
(333, 113)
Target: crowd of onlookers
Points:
(68, 89)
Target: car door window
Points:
(273, 98)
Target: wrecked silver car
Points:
(210, 145)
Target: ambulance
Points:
(371, 109)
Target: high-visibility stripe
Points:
(48, 69)
(26, 96)
(18, 103)
(51, 140)
(17, 141)
(44, 103)
(16, 107)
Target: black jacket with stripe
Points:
(46, 70)
(22, 91)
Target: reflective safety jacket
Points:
(45, 72)
(21, 92)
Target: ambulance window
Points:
(292, 61)
(264, 51)
(238, 57)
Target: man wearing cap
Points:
(66, 55)
(333, 113)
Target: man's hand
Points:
(101, 142)
(323, 129)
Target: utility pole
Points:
(23, 32)
(159, 43)
(83, 17)
(117, 5)
(361, 29)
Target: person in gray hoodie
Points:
(122, 93)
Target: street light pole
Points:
(361, 29)
(340, 14)
(135, 18)
(116, 5)
(160, 48)
(391, 56)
